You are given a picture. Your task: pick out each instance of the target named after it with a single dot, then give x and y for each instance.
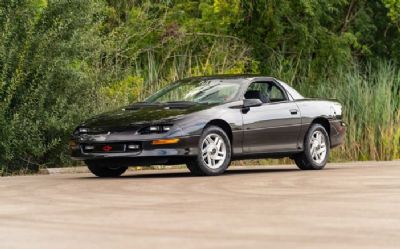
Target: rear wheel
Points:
(105, 169)
(316, 149)
(214, 153)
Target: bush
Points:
(47, 78)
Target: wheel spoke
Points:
(321, 150)
(219, 144)
(314, 155)
(216, 140)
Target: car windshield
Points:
(198, 91)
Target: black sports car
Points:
(206, 122)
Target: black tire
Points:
(105, 168)
(305, 160)
(198, 167)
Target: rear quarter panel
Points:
(331, 110)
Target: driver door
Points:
(275, 125)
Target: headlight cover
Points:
(81, 130)
(155, 129)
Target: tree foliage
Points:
(394, 10)
(47, 57)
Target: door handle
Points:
(294, 111)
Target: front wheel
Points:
(105, 169)
(214, 154)
(316, 149)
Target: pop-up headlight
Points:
(154, 129)
(83, 130)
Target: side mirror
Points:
(247, 103)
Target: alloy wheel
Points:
(318, 147)
(213, 151)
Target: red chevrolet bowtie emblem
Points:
(107, 148)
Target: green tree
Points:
(48, 76)
(394, 10)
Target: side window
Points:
(265, 91)
(256, 86)
(276, 94)
(258, 90)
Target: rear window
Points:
(295, 94)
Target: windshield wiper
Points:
(147, 103)
(182, 102)
(142, 104)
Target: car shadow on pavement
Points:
(227, 173)
(144, 174)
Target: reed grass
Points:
(370, 102)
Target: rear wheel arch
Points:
(325, 123)
(313, 149)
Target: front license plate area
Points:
(103, 148)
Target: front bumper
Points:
(186, 147)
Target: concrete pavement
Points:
(352, 205)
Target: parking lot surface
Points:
(350, 205)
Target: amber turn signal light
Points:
(166, 141)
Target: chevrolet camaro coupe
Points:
(206, 122)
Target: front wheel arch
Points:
(198, 166)
(223, 125)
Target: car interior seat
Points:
(254, 94)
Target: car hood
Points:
(142, 114)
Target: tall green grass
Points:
(371, 105)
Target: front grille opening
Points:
(110, 147)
